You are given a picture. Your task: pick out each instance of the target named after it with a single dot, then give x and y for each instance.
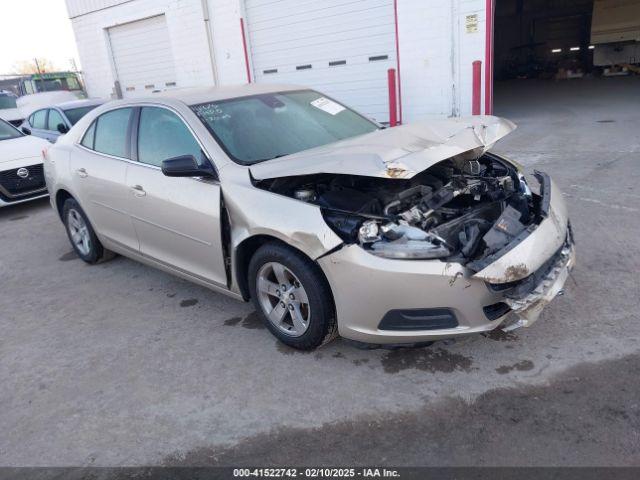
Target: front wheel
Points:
(292, 296)
(81, 235)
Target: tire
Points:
(306, 296)
(81, 234)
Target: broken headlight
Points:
(400, 241)
(369, 232)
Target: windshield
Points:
(75, 114)
(7, 131)
(262, 127)
(56, 84)
(7, 101)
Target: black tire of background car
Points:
(97, 253)
(322, 325)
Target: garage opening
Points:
(555, 50)
(142, 58)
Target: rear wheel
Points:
(81, 235)
(292, 296)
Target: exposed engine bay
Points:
(463, 209)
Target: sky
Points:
(36, 28)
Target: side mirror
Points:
(62, 128)
(26, 131)
(187, 166)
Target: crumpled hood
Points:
(399, 152)
(22, 147)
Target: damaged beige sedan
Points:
(328, 222)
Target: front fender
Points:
(258, 212)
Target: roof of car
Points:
(196, 95)
(80, 103)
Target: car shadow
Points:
(22, 211)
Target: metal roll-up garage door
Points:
(341, 47)
(142, 56)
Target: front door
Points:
(177, 220)
(38, 122)
(54, 119)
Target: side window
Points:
(39, 119)
(162, 135)
(28, 87)
(111, 132)
(54, 119)
(87, 140)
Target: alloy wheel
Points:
(79, 232)
(283, 299)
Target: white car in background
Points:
(55, 120)
(21, 174)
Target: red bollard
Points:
(488, 61)
(393, 101)
(246, 51)
(477, 88)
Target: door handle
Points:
(138, 191)
(82, 173)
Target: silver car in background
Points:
(328, 222)
(51, 122)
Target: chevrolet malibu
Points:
(328, 222)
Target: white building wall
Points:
(471, 48)
(436, 56)
(425, 64)
(436, 51)
(227, 41)
(187, 33)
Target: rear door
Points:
(177, 220)
(98, 167)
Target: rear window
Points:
(75, 114)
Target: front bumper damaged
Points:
(372, 292)
(526, 309)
